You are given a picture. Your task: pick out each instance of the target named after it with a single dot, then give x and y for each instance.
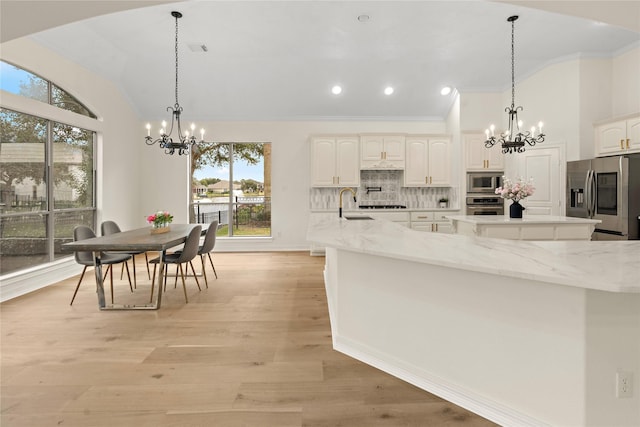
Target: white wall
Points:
(595, 102)
(479, 110)
(457, 150)
(626, 83)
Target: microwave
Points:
(483, 182)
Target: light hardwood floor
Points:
(254, 349)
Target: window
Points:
(21, 82)
(237, 193)
(46, 175)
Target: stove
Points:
(382, 207)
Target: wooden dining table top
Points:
(139, 239)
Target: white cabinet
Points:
(622, 136)
(382, 151)
(428, 162)
(334, 161)
(432, 222)
(480, 158)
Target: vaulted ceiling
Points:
(277, 60)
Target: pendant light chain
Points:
(513, 66)
(177, 104)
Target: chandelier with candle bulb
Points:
(513, 139)
(184, 141)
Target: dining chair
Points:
(186, 256)
(111, 227)
(206, 248)
(83, 232)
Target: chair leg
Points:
(146, 258)
(166, 270)
(211, 261)
(204, 273)
(129, 276)
(133, 261)
(184, 286)
(153, 282)
(111, 280)
(193, 270)
(78, 286)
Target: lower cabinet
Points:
(432, 222)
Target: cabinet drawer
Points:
(441, 216)
(422, 216)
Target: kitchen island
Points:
(520, 332)
(530, 227)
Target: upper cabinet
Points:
(382, 152)
(620, 137)
(480, 158)
(334, 161)
(428, 162)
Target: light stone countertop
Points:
(612, 266)
(530, 219)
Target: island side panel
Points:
(613, 345)
(496, 345)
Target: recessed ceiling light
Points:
(445, 91)
(336, 90)
(388, 90)
(363, 18)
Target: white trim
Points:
(453, 393)
(29, 280)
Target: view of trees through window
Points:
(231, 182)
(40, 205)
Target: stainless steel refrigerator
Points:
(608, 189)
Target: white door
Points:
(545, 167)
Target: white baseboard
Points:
(469, 400)
(32, 279)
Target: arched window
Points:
(46, 174)
(21, 82)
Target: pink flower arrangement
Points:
(516, 192)
(160, 219)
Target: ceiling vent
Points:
(198, 47)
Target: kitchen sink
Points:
(359, 217)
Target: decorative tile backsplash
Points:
(383, 188)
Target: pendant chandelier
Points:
(184, 141)
(513, 139)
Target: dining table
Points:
(139, 239)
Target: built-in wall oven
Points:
(483, 182)
(484, 204)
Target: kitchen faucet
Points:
(340, 197)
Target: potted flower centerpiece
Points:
(515, 191)
(160, 222)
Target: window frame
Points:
(64, 118)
